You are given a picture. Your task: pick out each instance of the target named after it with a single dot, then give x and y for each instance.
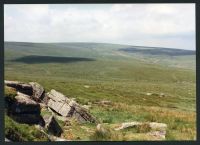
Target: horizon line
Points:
(105, 43)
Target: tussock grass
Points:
(181, 124)
(106, 134)
(22, 132)
(10, 94)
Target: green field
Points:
(93, 72)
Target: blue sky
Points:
(160, 25)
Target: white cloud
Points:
(164, 25)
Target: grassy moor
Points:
(115, 83)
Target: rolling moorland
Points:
(130, 77)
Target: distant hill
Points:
(163, 56)
(160, 51)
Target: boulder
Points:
(67, 107)
(100, 128)
(30, 95)
(21, 87)
(45, 99)
(57, 96)
(158, 126)
(24, 104)
(152, 125)
(33, 89)
(59, 103)
(60, 107)
(24, 110)
(82, 115)
(38, 91)
(52, 125)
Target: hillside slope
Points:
(165, 56)
(144, 83)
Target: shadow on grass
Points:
(33, 59)
(160, 51)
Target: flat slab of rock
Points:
(67, 107)
(158, 126)
(21, 87)
(82, 115)
(152, 125)
(59, 103)
(57, 96)
(52, 125)
(157, 130)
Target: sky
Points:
(155, 25)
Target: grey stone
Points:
(24, 104)
(100, 128)
(152, 125)
(60, 107)
(38, 91)
(52, 125)
(24, 110)
(57, 96)
(45, 99)
(158, 126)
(21, 87)
(67, 107)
